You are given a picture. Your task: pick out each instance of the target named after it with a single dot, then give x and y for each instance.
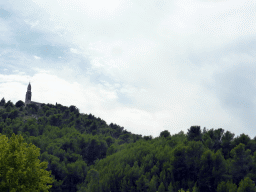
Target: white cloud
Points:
(74, 50)
(5, 32)
(161, 55)
(31, 23)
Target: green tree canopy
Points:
(19, 103)
(2, 102)
(194, 133)
(20, 167)
(226, 143)
(165, 133)
(93, 180)
(206, 178)
(245, 139)
(9, 103)
(13, 114)
(227, 186)
(246, 185)
(161, 187)
(74, 109)
(241, 162)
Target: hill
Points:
(86, 154)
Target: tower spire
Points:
(28, 95)
(29, 87)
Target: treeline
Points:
(86, 154)
(69, 141)
(193, 162)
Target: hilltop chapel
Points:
(28, 97)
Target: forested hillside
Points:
(85, 154)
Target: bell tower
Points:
(28, 95)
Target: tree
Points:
(194, 152)
(8, 109)
(2, 102)
(226, 143)
(14, 114)
(45, 108)
(195, 189)
(194, 133)
(206, 179)
(74, 109)
(20, 167)
(7, 130)
(33, 108)
(55, 120)
(141, 183)
(182, 190)
(148, 137)
(124, 186)
(222, 187)
(246, 185)
(93, 150)
(219, 171)
(241, 162)
(252, 145)
(93, 180)
(245, 139)
(252, 174)
(165, 133)
(125, 137)
(231, 186)
(161, 187)
(179, 167)
(218, 134)
(152, 184)
(227, 186)
(19, 103)
(9, 103)
(49, 112)
(170, 187)
(76, 174)
(213, 139)
(109, 141)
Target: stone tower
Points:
(28, 95)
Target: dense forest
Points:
(84, 154)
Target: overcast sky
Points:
(146, 65)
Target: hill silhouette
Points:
(84, 153)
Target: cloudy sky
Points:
(146, 65)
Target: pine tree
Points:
(246, 185)
(161, 187)
(195, 188)
(2, 102)
(152, 185)
(170, 187)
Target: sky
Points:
(146, 65)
